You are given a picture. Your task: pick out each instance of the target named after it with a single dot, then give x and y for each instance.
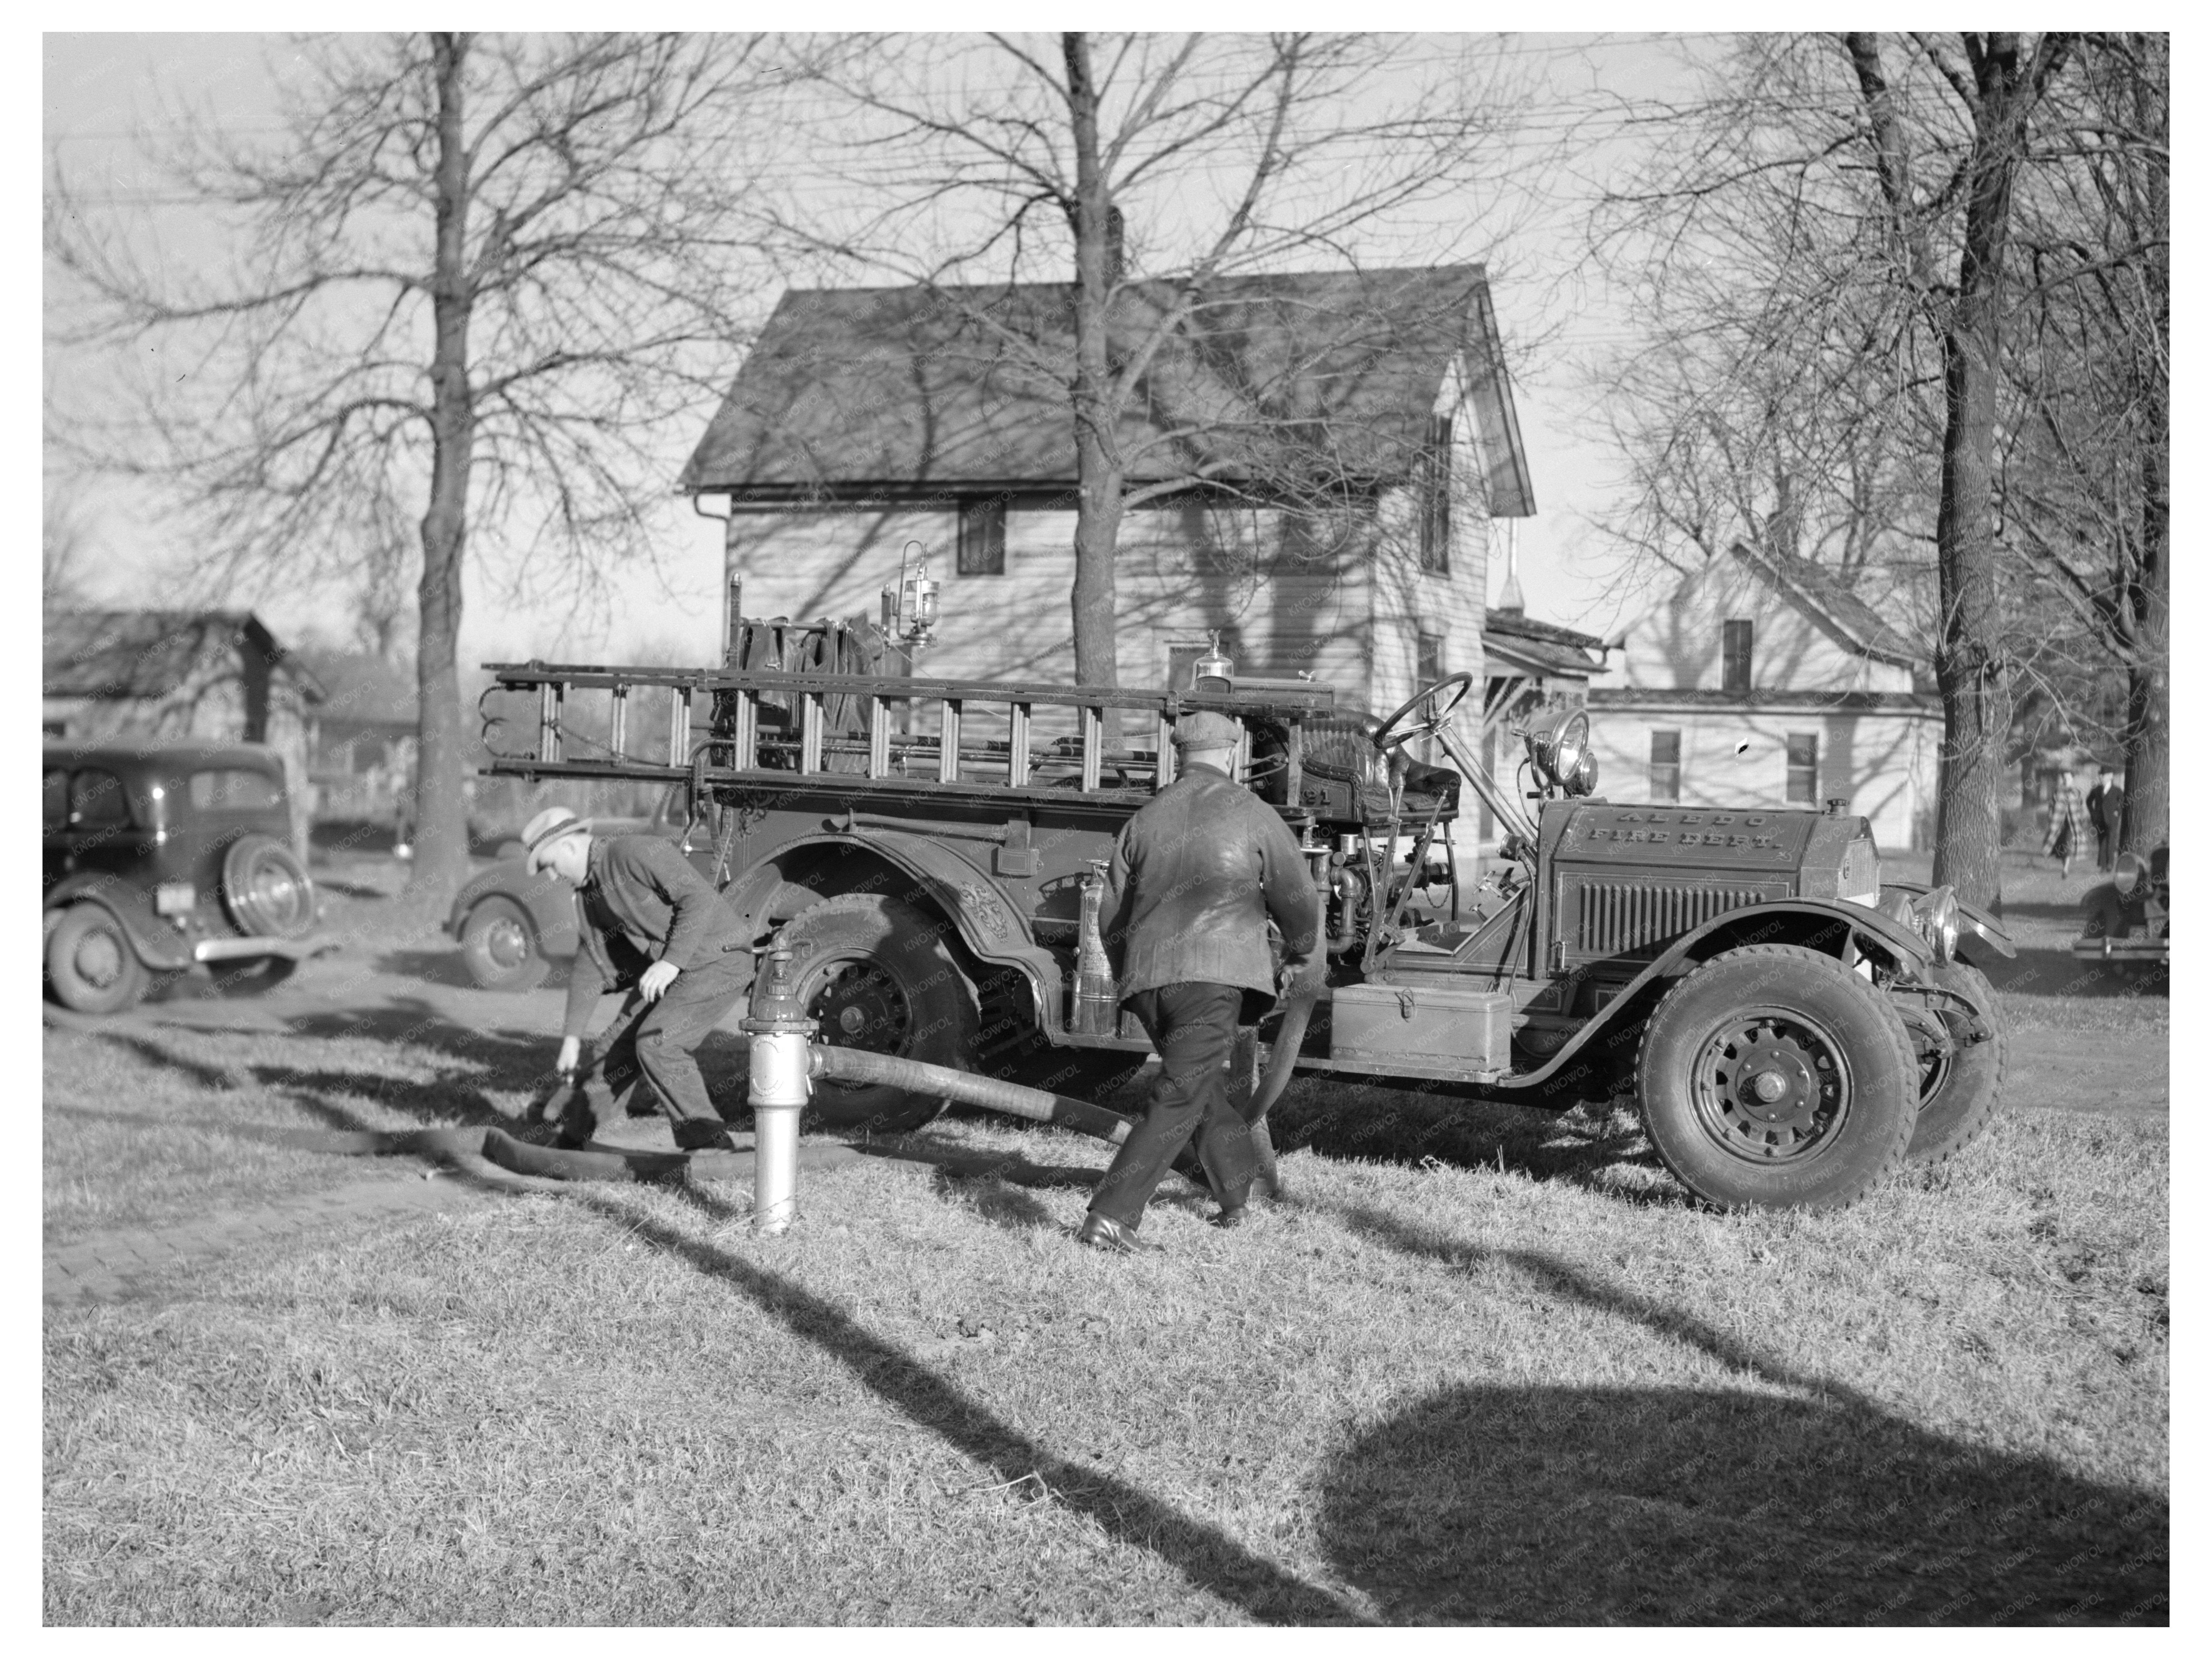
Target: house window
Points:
(1735, 656)
(1428, 659)
(1804, 768)
(1664, 781)
(983, 538)
(1436, 498)
(1181, 657)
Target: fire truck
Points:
(928, 857)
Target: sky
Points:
(99, 89)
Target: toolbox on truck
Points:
(1449, 1030)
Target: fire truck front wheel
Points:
(875, 973)
(1771, 1076)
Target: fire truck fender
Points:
(991, 924)
(1823, 924)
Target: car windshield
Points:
(235, 789)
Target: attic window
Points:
(982, 537)
(1735, 656)
(1435, 497)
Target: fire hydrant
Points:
(779, 1086)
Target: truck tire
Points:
(265, 889)
(1958, 1093)
(877, 975)
(1771, 1076)
(91, 962)
(499, 947)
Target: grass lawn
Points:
(1497, 1371)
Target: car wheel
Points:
(499, 947)
(1959, 1091)
(266, 889)
(91, 962)
(877, 976)
(1771, 1076)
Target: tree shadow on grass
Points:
(2040, 971)
(1551, 1505)
(1209, 1559)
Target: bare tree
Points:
(472, 280)
(1853, 196)
(67, 546)
(2086, 482)
(1150, 168)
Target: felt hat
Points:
(542, 831)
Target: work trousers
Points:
(1193, 1027)
(655, 1042)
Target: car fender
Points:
(1984, 921)
(1909, 951)
(549, 900)
(990, 922)
(158, 945)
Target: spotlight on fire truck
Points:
(910, 605)
(1558, 748)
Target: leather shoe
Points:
(1104, 1233)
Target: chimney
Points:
(1509, 597)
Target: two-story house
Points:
(1764, 679)
(1315, 461)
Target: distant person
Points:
(2107, 801)
(650, 924)
(1196, 874)
(2062, 840)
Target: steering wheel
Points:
(1403, 725)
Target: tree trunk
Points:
(1097, 457)
(1970, 661)
(2143, 822)
(441, 848)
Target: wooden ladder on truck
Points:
(903, 735)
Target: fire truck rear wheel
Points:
(1958, 1093)
(877, 974)
(1771, 1076)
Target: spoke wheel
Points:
(876, 975)
(1771, 1085)
(1959, 1091)
(1772, 1077)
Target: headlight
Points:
(174, 898)
(1584, 781)
(1936, 913)
(1559, 745)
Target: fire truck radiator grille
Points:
(1617, 916)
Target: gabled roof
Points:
(1521, 643)
(857, 391)
(147, 654)
(1828, 602)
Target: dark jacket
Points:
(642, 902)
(2107, 805)
(1195, 876)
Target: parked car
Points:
(513, 926)
(163, 859)
(2127, 919)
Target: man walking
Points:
(648, 923)
(1196, 874)
(2107, 801)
